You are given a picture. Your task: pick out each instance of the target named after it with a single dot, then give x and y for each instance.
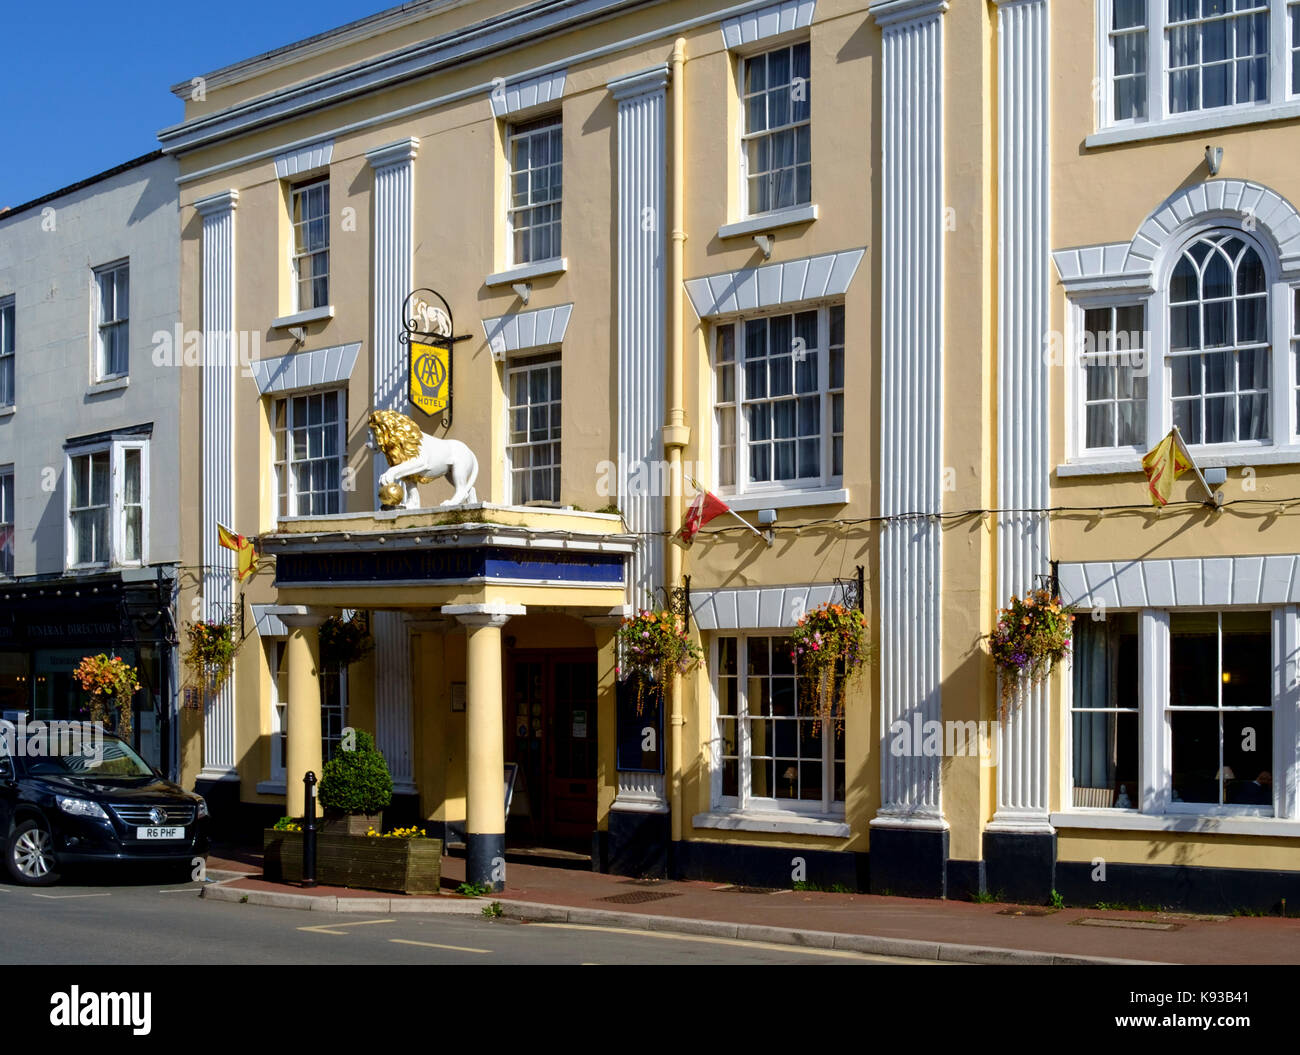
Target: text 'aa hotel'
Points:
(911, 286)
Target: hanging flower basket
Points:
(209, 658)
(829, 647)
(1031, 638)
(653, 645)
(111, 682)
(345, 641)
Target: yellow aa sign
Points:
(430, 377)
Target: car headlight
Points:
(202, 809)
(82, 808)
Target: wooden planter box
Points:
(407, 866)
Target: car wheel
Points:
(29, 855)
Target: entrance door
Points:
(551, 715)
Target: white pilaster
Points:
(393, 695)
(393, 222)
(642, 364)
(642, 347)
(1022, 394)
(219, 458)
(912, 296)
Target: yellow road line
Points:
(435, 945)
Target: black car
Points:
(86, 806)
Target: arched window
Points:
(1218, 352)
(1210, 352)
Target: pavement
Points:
(943, 931)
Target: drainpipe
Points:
(676, 432)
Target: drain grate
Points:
(1128, 924)
(638, 897)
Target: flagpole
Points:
(698, 487)
(1212, 498)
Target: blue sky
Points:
(83, 85)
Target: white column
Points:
(642, 347)
(912, 296)
(219, 458)
(1022, 393)
(642, 362)
(393, 223)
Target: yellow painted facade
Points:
(1001, 134)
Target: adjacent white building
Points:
(89, 451)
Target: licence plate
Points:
(160, 833)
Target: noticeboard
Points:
(640, 734)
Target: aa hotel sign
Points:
(428, 332)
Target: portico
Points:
(469, 573)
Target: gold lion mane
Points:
(399, 437)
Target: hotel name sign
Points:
(429, 334)
(469, 564)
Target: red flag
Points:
(704, 508)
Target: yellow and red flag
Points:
(245, 551)
(1164, 464)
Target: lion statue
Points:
(415, 457)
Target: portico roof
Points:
(473, 554)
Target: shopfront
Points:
(47, 628)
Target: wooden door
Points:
(551, 730)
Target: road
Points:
(145, 922)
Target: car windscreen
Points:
(109, 758)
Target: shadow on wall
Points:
(48, 539)
(159, 191)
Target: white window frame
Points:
(8, 521)
(277, 649)
(116, 450)
(745, 802)
(1293, 354)
(554, 121)
(756, 51)
(1284, 425)
(296, 254)
(1076, 385)
(326, 739)
(122, 317)
(1292, 50)
(1280, 88)
(8, 350)
(286, 494)
(827, 480)
(277, 657)
(1154, 797)
(544, 361)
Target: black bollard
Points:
(309, 829)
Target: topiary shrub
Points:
(357, 781)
